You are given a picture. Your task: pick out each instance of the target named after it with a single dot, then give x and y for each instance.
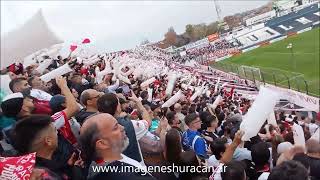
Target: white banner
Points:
(55, 73)
(315, 23)
(222, 58)
(304, 30)
(309, 102)
(278, 39)
(272, 119)
(250, 48)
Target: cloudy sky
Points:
(121, 24)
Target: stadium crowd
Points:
(217, 49)
(202, 53)
(81, 120)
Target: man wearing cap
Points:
(192, 138)
(156, 108)
(14, 107)
(18, 105)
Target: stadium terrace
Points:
(68, 112)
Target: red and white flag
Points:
(17, 167)
(73, 47)
(86, 40)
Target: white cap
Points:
(12, 96)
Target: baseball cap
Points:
(154, 106)
(12, 104)
(55, 103)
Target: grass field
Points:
(277, 59)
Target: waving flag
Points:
(73, 47)
(17, 167)
(86, 40)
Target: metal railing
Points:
(290, 80)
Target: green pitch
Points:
(278, 63)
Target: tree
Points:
(200, 31)
(212, 28)
(144, 42)
(170, 37)
(195, 32)
(182, 40)
(233, 21)
(189, 30)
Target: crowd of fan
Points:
(216, 50)
(74, 124)
(202, 53)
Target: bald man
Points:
(88, 98)
(103, 140)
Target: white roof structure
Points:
(27, 39)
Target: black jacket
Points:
(60, 170)
(83, 115)
(132, 150)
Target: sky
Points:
(116, 25)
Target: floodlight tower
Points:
(219, 16)
(218, 10)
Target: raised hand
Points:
(237, 137)
(61, 82)
(134, 97)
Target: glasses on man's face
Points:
(197, 121)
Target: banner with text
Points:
(213, 37)
(308, 102)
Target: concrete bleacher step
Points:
(212, 77)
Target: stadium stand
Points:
(295, 21)
(257, 36)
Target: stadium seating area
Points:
(86, 115)
(295, 21)
(257, 36)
